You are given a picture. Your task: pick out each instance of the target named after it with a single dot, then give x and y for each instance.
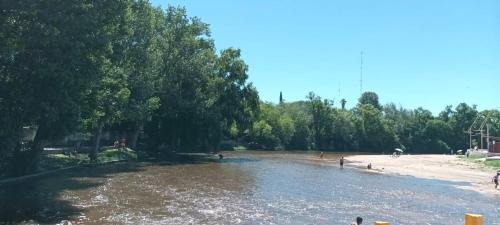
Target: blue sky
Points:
(427, 53)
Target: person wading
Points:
(342, 162)
(495, 179)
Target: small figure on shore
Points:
(123, 143)
(221, 157)
(468, 152)
(342, 162)
(116, 144)
(495, 179)
(321, 155)
(369, 166)
(359, 221)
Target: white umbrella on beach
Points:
(398, 150)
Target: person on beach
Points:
(495, 179)
(321, 155)
(342, 162)
(359, 221)
(369, 166)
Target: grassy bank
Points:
(57, 161)
(494, 164)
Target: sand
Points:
(440, 167)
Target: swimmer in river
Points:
(359, 221)
(221, 157)
(321, 155)
(342, 162)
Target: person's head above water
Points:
(359, 220)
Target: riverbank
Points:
(53, 163)
(468, 175)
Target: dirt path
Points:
(441, 167)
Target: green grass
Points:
(112, 155)
(495, 164)
(56, 161)
(240, 148)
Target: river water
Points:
(243, 188)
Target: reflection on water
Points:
(245, 188)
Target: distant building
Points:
(495, 146)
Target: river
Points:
(243, 188)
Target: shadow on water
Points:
(39, 200)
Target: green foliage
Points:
(370, 98)
(273, 129)
(319, 125)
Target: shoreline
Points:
(438, 167)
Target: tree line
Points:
(319, 124)
(69, 66)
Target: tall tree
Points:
(108, 95)
(146, 47)
(57, 44)
(343, 102)
(370, 98)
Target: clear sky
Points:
(428, 53)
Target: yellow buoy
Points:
(381, 223)
(473, 219)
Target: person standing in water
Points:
(342, 162)
(321, 155)
(495, 179)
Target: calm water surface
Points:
(245, 188)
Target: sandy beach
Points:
(441, 167)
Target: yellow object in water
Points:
(473, 219)
(381, 223)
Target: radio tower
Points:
(361, 75)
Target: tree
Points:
(461, 119)
(281, 125)
(343, 102)
(437, 131)
(108, 95)
(370, 98)
(321, 119)
(202, 93)
(144, 55)
(281, 98)
(373, 130)
(56, 46)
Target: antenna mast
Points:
(361, 75)
(339, 90)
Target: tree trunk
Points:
(95, 151)
(135, 136)
(36, 150)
